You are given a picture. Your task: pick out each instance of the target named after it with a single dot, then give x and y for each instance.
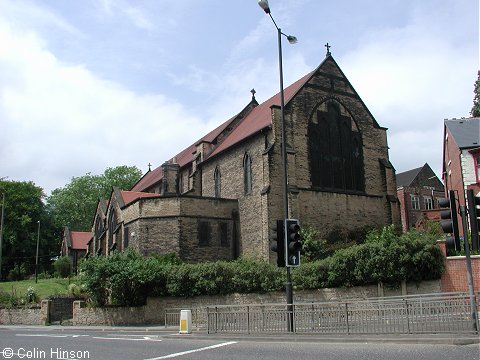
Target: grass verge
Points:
(44, 287)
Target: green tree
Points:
(74, 204)
(24, 209)
(475, 112)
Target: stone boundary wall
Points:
(154, 311)
(118, 316)
(38, 315)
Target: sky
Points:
(91, 84)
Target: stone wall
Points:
(253, 242)
(83, 315)
(154, 311)
(171, 224)
(33, 315)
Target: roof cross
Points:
(253, 93)
(328, 46)
(149, 167)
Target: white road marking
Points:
(139, 337)
(144, 338)
(193, 351)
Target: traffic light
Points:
(474, 214)
(293, 245)
(278, 245)
(449, 220)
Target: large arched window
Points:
(217, 178)
(247, 173)
(335, 151)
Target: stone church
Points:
(218, 198)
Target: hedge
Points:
(127, 278)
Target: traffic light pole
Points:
(471, 290)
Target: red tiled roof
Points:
(259, 118)
(131, 196)
(80, 239)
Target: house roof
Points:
(466, 132)
(406, 178)
(79, 239)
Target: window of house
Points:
(247, 173)
(217, 180)
(415, 202)
(203, 233)
(428, 201)
(335, 151)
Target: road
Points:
(48, 343)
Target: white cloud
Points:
(60, 120)
(411, 78)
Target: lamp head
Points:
(264, 5)
(292, 39)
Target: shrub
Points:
(63, 266)
(31, 296)
(128, 278)
(313, 247)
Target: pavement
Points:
(201, 333)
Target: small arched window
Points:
(247, 173)
(112, 227)
(217, 178)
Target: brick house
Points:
(75, 245)
(418, 191)
(461, 158)
(218, 198)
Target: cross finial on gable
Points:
(328, 46)
(149, 167)
(253, 93)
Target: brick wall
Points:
(454, 278)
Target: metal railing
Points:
(172, 316)
(414, 314)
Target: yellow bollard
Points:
(185, 321)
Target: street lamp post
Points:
(1, 233)
(36, 257)
(292, 40)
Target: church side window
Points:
(112, 228)
(223, 234)
(217, 180)
(203, 233)
(247, 173)
(335, 151)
